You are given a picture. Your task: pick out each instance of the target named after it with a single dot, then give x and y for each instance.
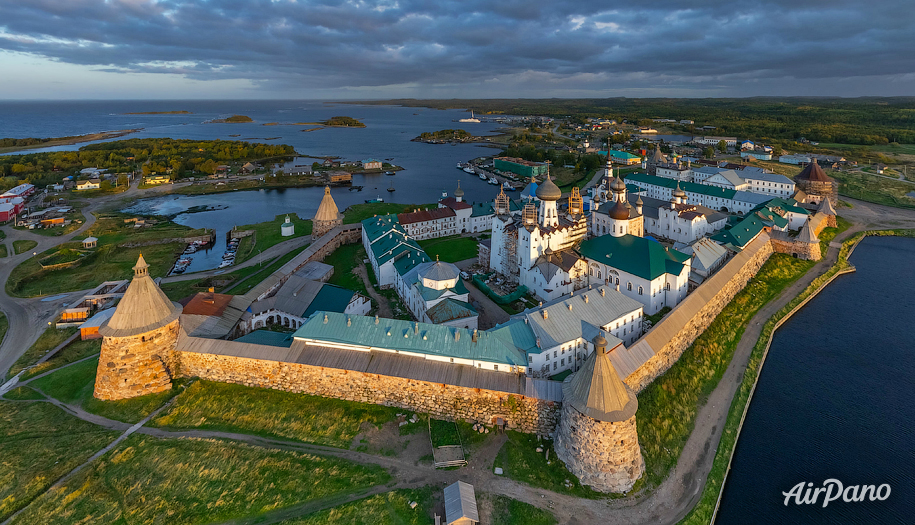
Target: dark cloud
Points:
(486, 48)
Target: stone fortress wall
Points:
(478, 405)
(676, 332)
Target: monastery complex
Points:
(596, 262)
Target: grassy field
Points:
(3, 252)
(390, 508)
(72, 352)
(507, 511)
(450, 249)
(344, 259)
(668, 407)
(39, 443)
(444, 433)
(74, 385)
(521, 462)
(4, 326)
(49, 339)
(272, 413)
(23, 393)
(107, 263)
(268, 234)
(828, 234)
(873, 188)
(359, 212)
(147, 480)
(23, 246)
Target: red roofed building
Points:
(429, 224)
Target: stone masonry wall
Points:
(682, 337)
(440, 400)
(605, 456)
(137, 365)
(802, 250)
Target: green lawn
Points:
(450, 249)
(74, 351)
(444, 433)
(359, 212)
(344, 259)
(668, 406)
(47, 341)
(390, 508)
(23, 246)
(74, 385)
(268, 234)
(23, 393)
(39, 443)
(872, 188)
(3, 252)
(4, 326)
(106, 263)
(521, 462)
(507, 511)
(189, 481)
(272, 413)
(828, 234)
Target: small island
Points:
(234, 119)
(342, 122)
(182, 112)
(444, 136)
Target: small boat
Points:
(226, 264)
(468, 169)
(507, 187)
(389, 173)
(179, 269)
(482, 176)
(184, 262)
(391, 189)
(228, 255)
(492, 180)
(460, 165)
(374, 201)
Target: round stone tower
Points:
(327, 217)
(596, 437)
(138, 345)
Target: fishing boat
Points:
(391, 189)
(468, 169)
(482, 176)
(374, 201)
(184, 262)
(460, 165)
(389, 173)
(507, 187)
(190, 249)
(493, 181)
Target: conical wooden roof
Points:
(826, 207)
(327, 210)
(813, 172)
(807, 235)
(596, 390)
(144, 307)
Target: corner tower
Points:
(597, 438)
(327, 217)
(138, 345)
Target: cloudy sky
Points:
(75, 49)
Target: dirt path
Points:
(384, 307)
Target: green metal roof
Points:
(267, 337)
(375, 227)
(689, 187)
(331, 297)
(639, 256)
(785, 204)
(404, 264)
(743, 232)
(450, 309)
(621, 154)
(410, 337)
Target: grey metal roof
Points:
(216, 326)
(315, 270)
(460, 502)
(563, 324)
(707, 252)
(765, 177)
(144, 307)
(597, 391)
(438, 271)
(378, 362)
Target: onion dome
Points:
(679, 192)
(548, 190)
(639, 201)
(458, 193)
(618, 185)
(618, 212)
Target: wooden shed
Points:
(461, 504)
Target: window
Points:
(563, 362)
(530, 359)
(495, 367)
(547, 356)
(452, 359)
(554, 354)
(667, 287)
(554, 365)
(629, 286)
